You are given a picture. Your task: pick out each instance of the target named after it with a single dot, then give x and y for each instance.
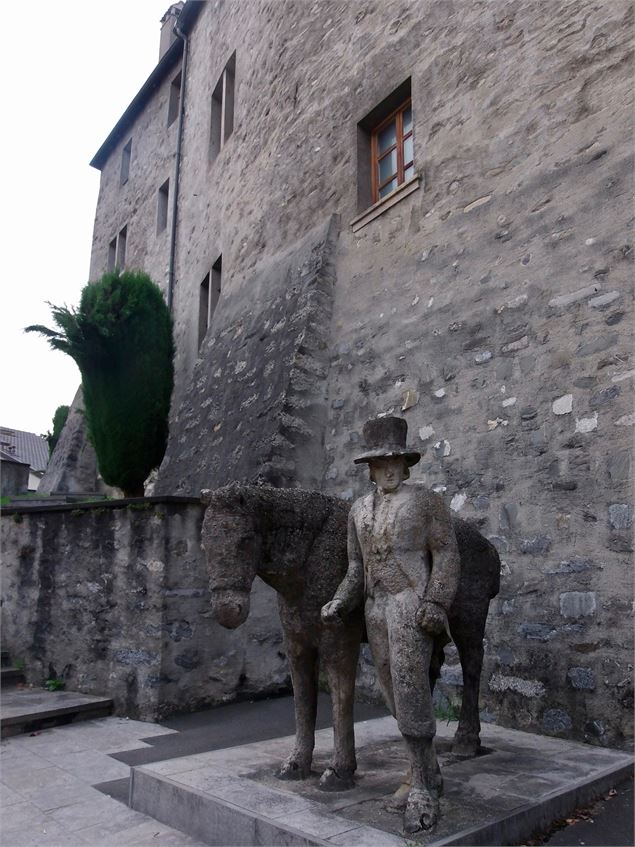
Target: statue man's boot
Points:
(422, 806)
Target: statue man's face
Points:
(389, 473)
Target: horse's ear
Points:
(206, 496)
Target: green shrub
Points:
(59, 419)
(121, 339)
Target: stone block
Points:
(578, 604)
(581, 678)
(620, 515)
(556, 720)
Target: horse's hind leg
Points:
(467, 741)
(340, 662)
(303, 662)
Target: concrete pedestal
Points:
(520, 785)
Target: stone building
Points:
(420, 208)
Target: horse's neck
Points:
(284, 553)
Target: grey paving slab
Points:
(8, 797)
(366, 836)
(30, 780)
(22, 707)
(97, 809)
(46, 793)
(92, 766)
(55, 797)
(39, 835)
(22, 815)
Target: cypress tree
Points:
(59, 419)
(121, 339)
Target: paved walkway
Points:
(47, 795)
(47, 781)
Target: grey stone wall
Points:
(114, 598)
(73, 464)
(14, 478)
(492, 305)
(256, 410)
(135, 203)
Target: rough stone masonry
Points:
(491, 305)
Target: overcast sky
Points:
(70, 70)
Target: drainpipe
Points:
(177, 167)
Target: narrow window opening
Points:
(162, 206)
(222, 109)
(209, 296)
(125, 162)
(112, 255)
(217, 270)
(175, 99)
(216, 124)
(121, 248)
(228, 97)
(203, 310)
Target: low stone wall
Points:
(114, 598)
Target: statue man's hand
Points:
(332, 612)
(431, 618)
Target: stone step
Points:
(10, 676)
(30, 710)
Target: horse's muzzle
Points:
(230, 608)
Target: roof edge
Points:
(167, 62)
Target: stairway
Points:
(26, 709)
(9, 675)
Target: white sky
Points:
(70, 70)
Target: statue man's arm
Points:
(444, 577)
(350, 591)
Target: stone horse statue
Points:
(295, 541)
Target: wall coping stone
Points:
(170, 499)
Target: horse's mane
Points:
(279, 507)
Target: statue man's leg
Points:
(410, 654)
(377, 630)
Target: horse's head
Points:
(232, 547)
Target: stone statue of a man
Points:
(403, 560)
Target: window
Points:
(378, 147)
(392, 152)
(208, 298)
(125, 162)
(121, 248)
(222, 109)
(174, 101)
(117, 251)
(162, 206)
(112, 254)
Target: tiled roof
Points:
(8, 457)
(25, 447)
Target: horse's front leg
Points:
(340, 652)
(303, 661)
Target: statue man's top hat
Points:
(385, 439)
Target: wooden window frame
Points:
(397, 116)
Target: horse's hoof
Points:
(466, 748)
(422, 811)
(331, 780)
(293, 770)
